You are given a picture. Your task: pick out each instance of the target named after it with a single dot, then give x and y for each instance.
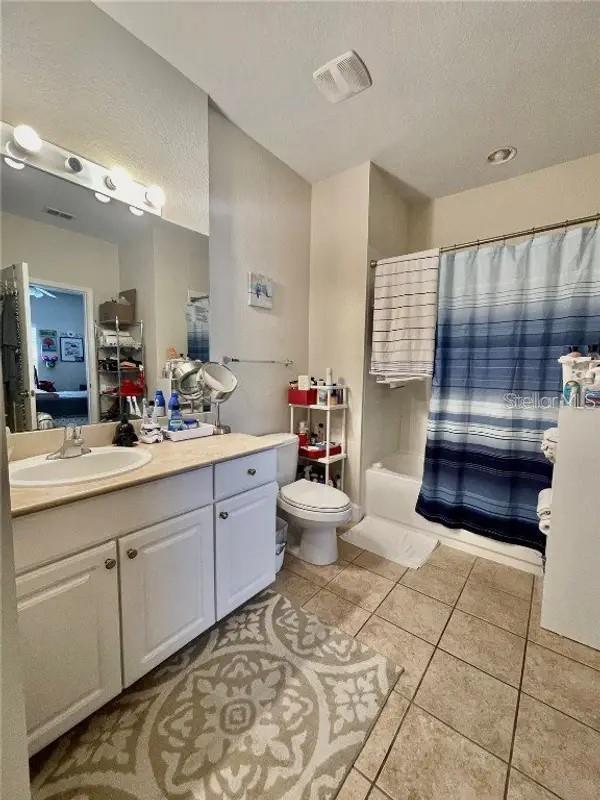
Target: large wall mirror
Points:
(94, 300)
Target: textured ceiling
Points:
(451, 81)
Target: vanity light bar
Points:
(22, 144)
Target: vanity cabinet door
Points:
(167, 589)
(245, 546)
(68, 615)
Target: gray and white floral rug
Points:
(270, 704)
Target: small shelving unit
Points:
(126, 339)
(328, 409)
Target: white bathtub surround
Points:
(404, 317)
(391, 492)
(392, 540)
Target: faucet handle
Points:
(77, 429)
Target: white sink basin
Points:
(102, 462)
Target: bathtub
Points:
(391, 491)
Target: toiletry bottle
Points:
(173, 404)
(159, 403)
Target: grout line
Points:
(537, 783)
(480, 669)
(411, 701)
(560, 711)
(569, 658)
(461, 733)
(515, 721)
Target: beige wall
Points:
(338, 283)
(62, 256)
(548, 195)
(85, 83)
(180, 263)
(259, 221)
(383, 408)
(162, 265)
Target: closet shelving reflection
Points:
(116, 340)
(329, 409)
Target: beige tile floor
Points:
(490, 705)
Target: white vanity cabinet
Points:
(244, 546)
(68, 616)
(112, 585)
(167, 589)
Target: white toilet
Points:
(312, 509)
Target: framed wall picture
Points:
(260, 290)
(71, 348)
(48, 340)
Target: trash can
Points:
(281, 528)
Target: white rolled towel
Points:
(545, 525)
(551, 435)
(544, 504)
(549, 452)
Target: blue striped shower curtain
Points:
(505, 315)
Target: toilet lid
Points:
(308, 495)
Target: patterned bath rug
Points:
(271, 704)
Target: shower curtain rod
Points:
(518, 234)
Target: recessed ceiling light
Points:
(137, 212)
(502, 155)
(102, 198)
(12, 162)
(27, 139)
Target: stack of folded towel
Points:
(550, 444)
(544, 510)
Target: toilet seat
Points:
(306, 496)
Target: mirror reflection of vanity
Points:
(96, 295)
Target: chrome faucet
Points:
(73, 444)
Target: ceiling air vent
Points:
(56, 212)
(342, 77)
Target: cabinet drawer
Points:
(242, 474)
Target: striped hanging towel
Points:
(404, 317)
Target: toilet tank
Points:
(286, 445)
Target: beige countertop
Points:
(168, 458)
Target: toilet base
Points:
(318, 545)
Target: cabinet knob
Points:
(132, 552)
(223, 514)
(251, 471)
(110, 563)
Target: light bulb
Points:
(26, 139)
(155, 196)
(137, 212)
(117, 178)
(102, 198)
(12, 162)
